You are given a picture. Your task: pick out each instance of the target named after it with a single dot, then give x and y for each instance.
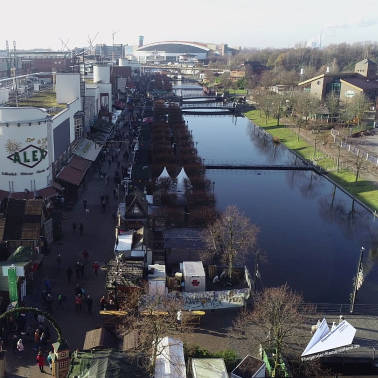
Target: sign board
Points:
(20, 271)
(12, 284)
(204, 300)
(210, 300)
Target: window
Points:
(78, 127)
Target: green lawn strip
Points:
(365, 191)
(237, 91)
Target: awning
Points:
(48, 192)
(75, 171)
(79, 163)
(87, 149)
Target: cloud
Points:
(361, 22)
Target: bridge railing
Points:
(341, 308)
(214, 161)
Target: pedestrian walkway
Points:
(98, 240)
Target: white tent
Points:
(170, 361)
(164, 174)
(325, 339)
(181, 178)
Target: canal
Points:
(310, 232)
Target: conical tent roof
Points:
(182, 176)
(164, 174)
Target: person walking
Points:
(20, 347)
(37, 338)
(73, 226)
(78, 303)
(102, 302)
(89, 304)
(82, 266)
(59, 260)
(43, 339)
(87, 211)
(85, 255)
(81, 229)
(95, 267)
(40, 361)
(50, 358)
(69, 274)
(85, 202)
(78, 269)
(60, 300)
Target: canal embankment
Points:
(364, 190)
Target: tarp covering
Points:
(125, 242)
(170, 361)
(105, 363)
(21, 254)
(87, 149)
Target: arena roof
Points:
(176, 47)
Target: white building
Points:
(171, 51)
(36, 141)
(98, 94)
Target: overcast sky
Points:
(246, 23)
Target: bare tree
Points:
(355, 108)
(230, 238)
(333, 105)
(277, 316)
(305, 104)
(359, 162)
(157, 318)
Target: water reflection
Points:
(311, 233)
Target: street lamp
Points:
(358, 280)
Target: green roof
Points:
(106, 363)
(21, 254)
(43, 99)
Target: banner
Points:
(12, 284)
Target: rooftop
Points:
(43, 99)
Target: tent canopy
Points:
(164, 174)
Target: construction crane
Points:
(113, 34)
(14, 72)
(91, 44)
(8, 59)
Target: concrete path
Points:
(98, 239)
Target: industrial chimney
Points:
(141, 39)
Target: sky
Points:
(245, 23)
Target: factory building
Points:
(38, 134)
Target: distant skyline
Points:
(245, 23)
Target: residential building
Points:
(345, 85)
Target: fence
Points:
(341, 308)
(358, 151)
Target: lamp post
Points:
(357, 281)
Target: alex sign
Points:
(29, 156)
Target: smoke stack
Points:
(141, 39)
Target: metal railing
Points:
(341, 308)
(356, 150)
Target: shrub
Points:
(231, 358)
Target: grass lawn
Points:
(237, 91)
(365, 191)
